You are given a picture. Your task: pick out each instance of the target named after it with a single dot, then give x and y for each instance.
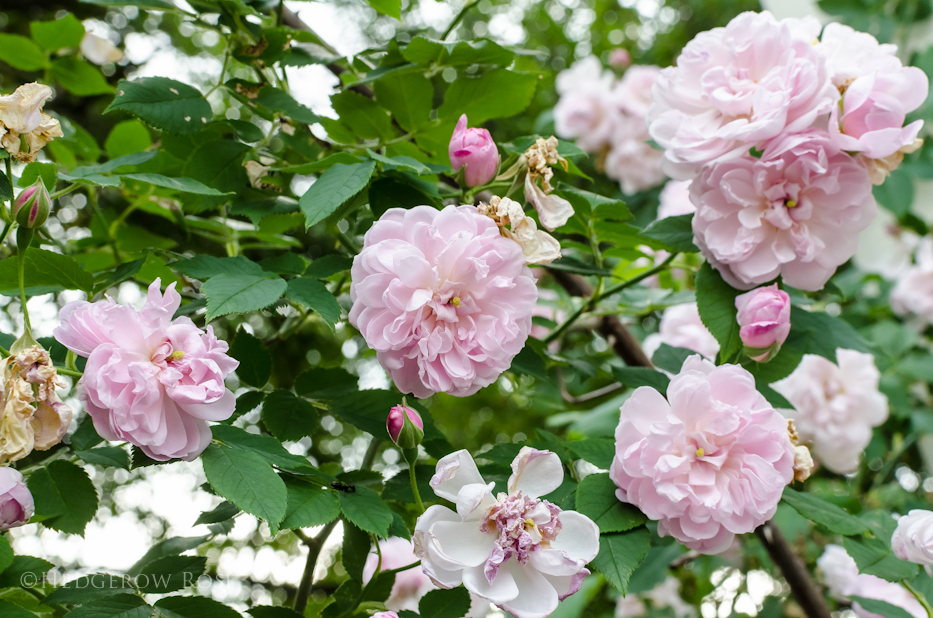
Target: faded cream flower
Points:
(256, 171)
(880, 169)
(538, 246)
(99, 50)
(24, 127)
(803, 461)
(553, 211)
(33, 416)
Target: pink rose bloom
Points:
(620, 58)
(764, 321)
(514, 549)
(737, 87)
(675, 199)
(681, 327)
(878, 93)
(887, 249)
(385, 615)
(633, 92)
(16, 503)
(843, 580)
(443, 298)
(149, 380)
(835, 406)
(913, 293)
(631, 160)
(796, 212)
(586, 111)
(913, 539)
(410, 585)
(710, 464)
(475, 150)
(395, 423)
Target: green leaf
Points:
(155, 5)
(285, 263)
(333, 189)
(116, 606)
(620, 554)
(32, 568)
(183, 184)
(366, 509)
(6, 189)
(267, 611)
(170, 573)
(309, 505)
(392, 8)
(312, 293)
(79, 77)
(326, 383)
(163, 103)
(454, 603)
(58, 34)
(670, 358)
(279, 101)
(874, 557)
(897, 192)
(64, 495)
(633, 377)
(824, 334)
(497, 94)
(270, 449)
(422, 50)
(203, 267)
(596, 498)
(6, 554)
(247, 402)
(597, 451)
(44, 268)
(240, 293)
(35, 170)
(194, 607)
(121, 273)
(882, 608)
(716, 302)
(9, 610)
(288, 417)
(112, 456)
(529, 362)
(824, 513)
(675, 233)
(255, 360)
(137, 158)
(247, 480)
(328, 265)
(224, 511)
(363, 115)
(595, 205)
(410, 98)
(355, 550)
(21, 53)
(127, 137)
(219, 164)
(91, 587)
(174, 546)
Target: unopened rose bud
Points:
(385, 615)
(16, 503)
(620, 58)
(764, 321)
(405, 427)
(32, 207)
(473, 150)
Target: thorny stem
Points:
(314, 550)
(22, 290)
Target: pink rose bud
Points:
(385, 615)
(32, 206)
(474, 150)
(405, 427)
(764, 321)
(620, 58)
(16, 503)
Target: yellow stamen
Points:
(700, 452)
(791, 203)
(455, 301)
(176, 355)
(530, 523)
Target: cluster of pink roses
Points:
(783, 135)
(607, 117)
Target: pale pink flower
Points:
(913, 293)
(517, 550)
(878, 93)
(835, 406)
(736, 87)
(410, 585)
(886, 248)
(843, 580)
(586, 111)
(631, 160)
(443, 298)
(475, 150)
(795, 212)
(149, 380)
(710, 464)
(913, 539)
(681, 327)
(633, 92)
(620, 58)
(665, 594)
(675, 199)
(764, 321)
(385, 615)
(16, 503)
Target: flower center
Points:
(523, 525)
(176, 355)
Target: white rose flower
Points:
(913, 293)
(538, 246)
(843, 580)
(21, 116)
(913, 539)
(520, 552)
(836, 406)
(99, 50)
(681, 327)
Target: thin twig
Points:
(466, 7)
(314, 550)
(805, 592)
